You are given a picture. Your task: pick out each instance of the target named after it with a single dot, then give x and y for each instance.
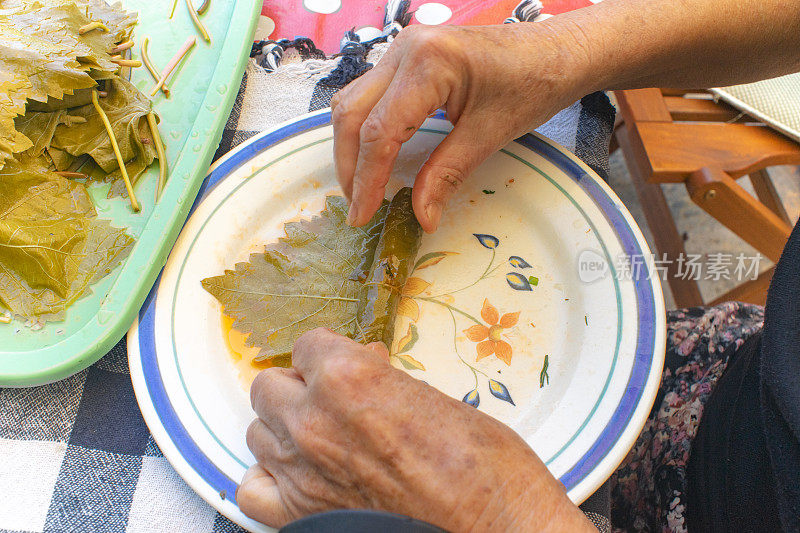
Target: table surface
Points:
(325, 21)
(77, 455)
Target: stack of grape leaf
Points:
(52, 247)
(44, 57)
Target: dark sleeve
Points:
(364, 521)
(745, 459)
(729, 483)
(597, 508)
(780, 381)
(359, 521)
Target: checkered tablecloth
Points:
(76, 455)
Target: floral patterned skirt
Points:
(648, 490)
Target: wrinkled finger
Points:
(405, 105)
(321, 351)
(277, 393)
(456, 157)
(349, 108)
(263, 443)
(259, 498)
(317, 345)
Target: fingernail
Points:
(352, 213)
(434, 213)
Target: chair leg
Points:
(613, 143)
(667, 239)
(753, 291)
(766, 192)
(722, 198)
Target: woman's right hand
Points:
(495, 84)
(343, 429)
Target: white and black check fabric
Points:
(76, 455)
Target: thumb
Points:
(456, 157)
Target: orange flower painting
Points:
(491, 333)
(490, 337)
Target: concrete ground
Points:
(703, 234)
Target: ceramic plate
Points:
(533, 302)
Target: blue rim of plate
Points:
(645, 300)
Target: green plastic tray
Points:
(192, 120)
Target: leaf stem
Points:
(66, 174)
(172, 11)
(70, 120)
(483, 276)
(202, 9)
(133, 63)
(115, 146)
(122, 46)
(190, 42)
(475, 371)
(162, 158)
(197, 23)
(149, 65)
(94, 25)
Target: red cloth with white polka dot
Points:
(325, 21)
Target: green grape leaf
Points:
(126, 109)
(120, 23)
(62, 160)
(39, 127)
(51, 246)
(302, 282)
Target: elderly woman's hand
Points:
(494, 82)
(344, 429)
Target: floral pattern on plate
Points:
(488, 336)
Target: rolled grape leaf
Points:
(393, 261)
(300, 283)
(51, 246)
(324, 273)
(367, 254)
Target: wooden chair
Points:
(675, 136)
